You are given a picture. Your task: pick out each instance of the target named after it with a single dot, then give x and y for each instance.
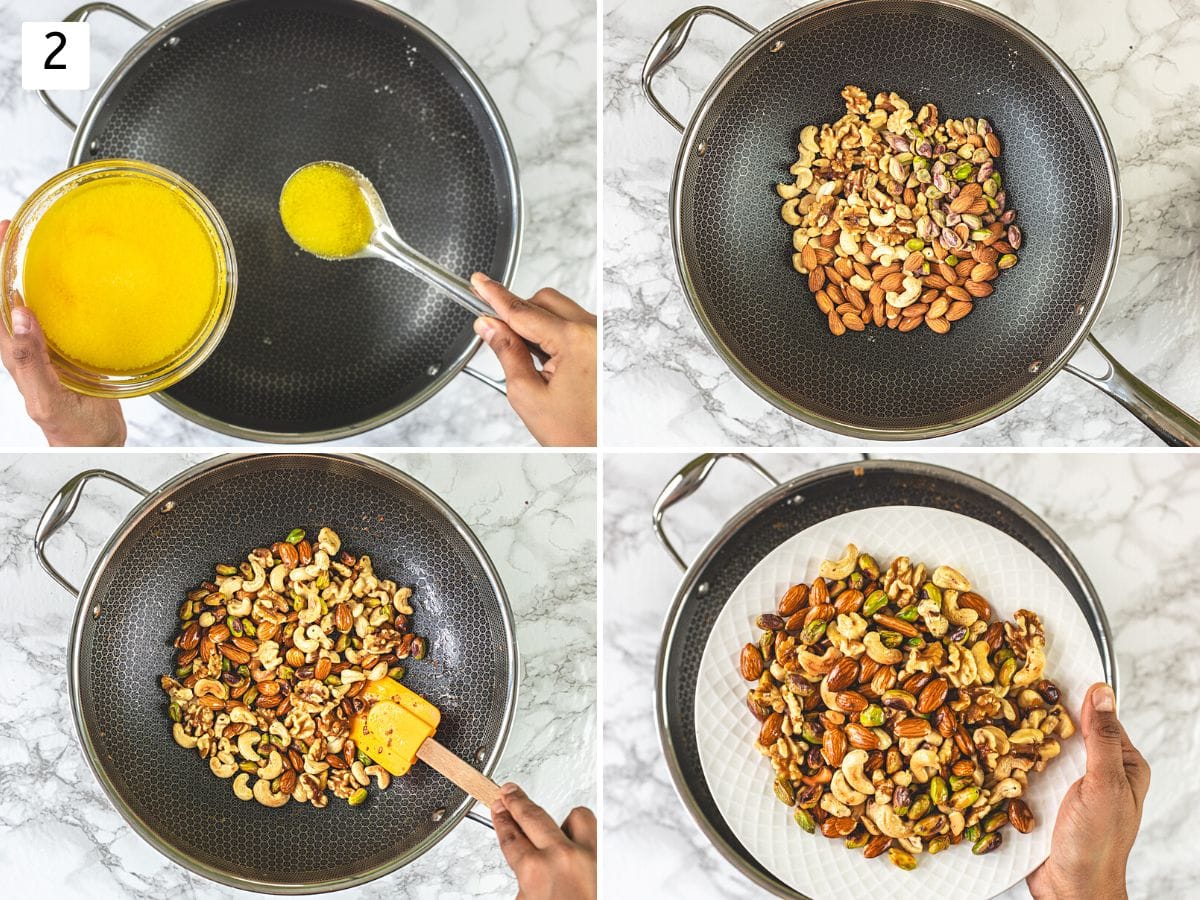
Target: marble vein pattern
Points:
(1130, 521)
(537, 59)
(665, 384)
(59, 835)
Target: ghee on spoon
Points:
(332, 211)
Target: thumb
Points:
(512, 352)
(29, 362)
(1103, 736)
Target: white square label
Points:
(55, 56)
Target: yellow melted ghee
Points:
(123, 272)
(325, 212)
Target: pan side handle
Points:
(1172, 425)
(669, 45)
(81, 15)
(686, 482)
(62, 507)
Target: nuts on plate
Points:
(899, 218)
(272, 656)
(897, 715)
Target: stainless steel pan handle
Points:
(668, 45)
(686, 482)
(1174, 426)
(62, 507)
(81, 15)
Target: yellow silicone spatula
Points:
(398, 727)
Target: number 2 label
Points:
(56, 56)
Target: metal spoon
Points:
(386, 243)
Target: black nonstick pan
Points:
(734, 253)
(128, 612)
(234, 95)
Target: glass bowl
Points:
(93, 380)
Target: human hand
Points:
(1100, 814)
(558, 404)
(550, 863)
(67, 418)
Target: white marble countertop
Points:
(538, 61)
(666, 385)
(1129, 519)
(60, 837)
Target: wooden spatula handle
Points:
(465, 776)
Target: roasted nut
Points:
(1020, 816)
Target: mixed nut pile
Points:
(272, 657)
(899, 218)
(896, 714)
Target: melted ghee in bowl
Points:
(324, 210)
(123, 272)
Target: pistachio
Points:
(875, 601)
(804, 819)
(902, 859)
(938, 790)
(987, 843)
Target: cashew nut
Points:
(789, 211)
(813, 664)
(1035, 663)
(882, 219)
(279, 731)
(836, 570)
(239, 606)
(834, 806)
(273, 768)
(883, 655)
(230, 585)
(980, 650)
(255, 584)
(924, 764)
(328, 540)
(278, 578)
(210, 687)
(182, 738)
(788, 191)
(1008, 789)
(222, 764)
(241, 787)
(955, 613)
(852, 769)
(310, 640)
(844, 792)
(993, 738)
(247, 744)
(382, 776)
(931, 611)
(950, 579)
(1026, 736)
(808, 138)
(267, 797)
(887, 821)
(359, 773)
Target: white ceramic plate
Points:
(1011, 577)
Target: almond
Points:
(992, 143)
(939, 326)
(899, 625)
(850, 702)
(833, 746)
(835, 324)
(823, 302)
(816, 279)
(1020, 816)
(971, 600)
(852, 321)
(808, 257)
(893, 282)
(978, 288)
(959, 309)
(793, 599)
(911, 727)
(984, 272)
(861, 737)
(751, 663)
(772, 729)
(932, 696)
(843, 674)
(848, 601)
